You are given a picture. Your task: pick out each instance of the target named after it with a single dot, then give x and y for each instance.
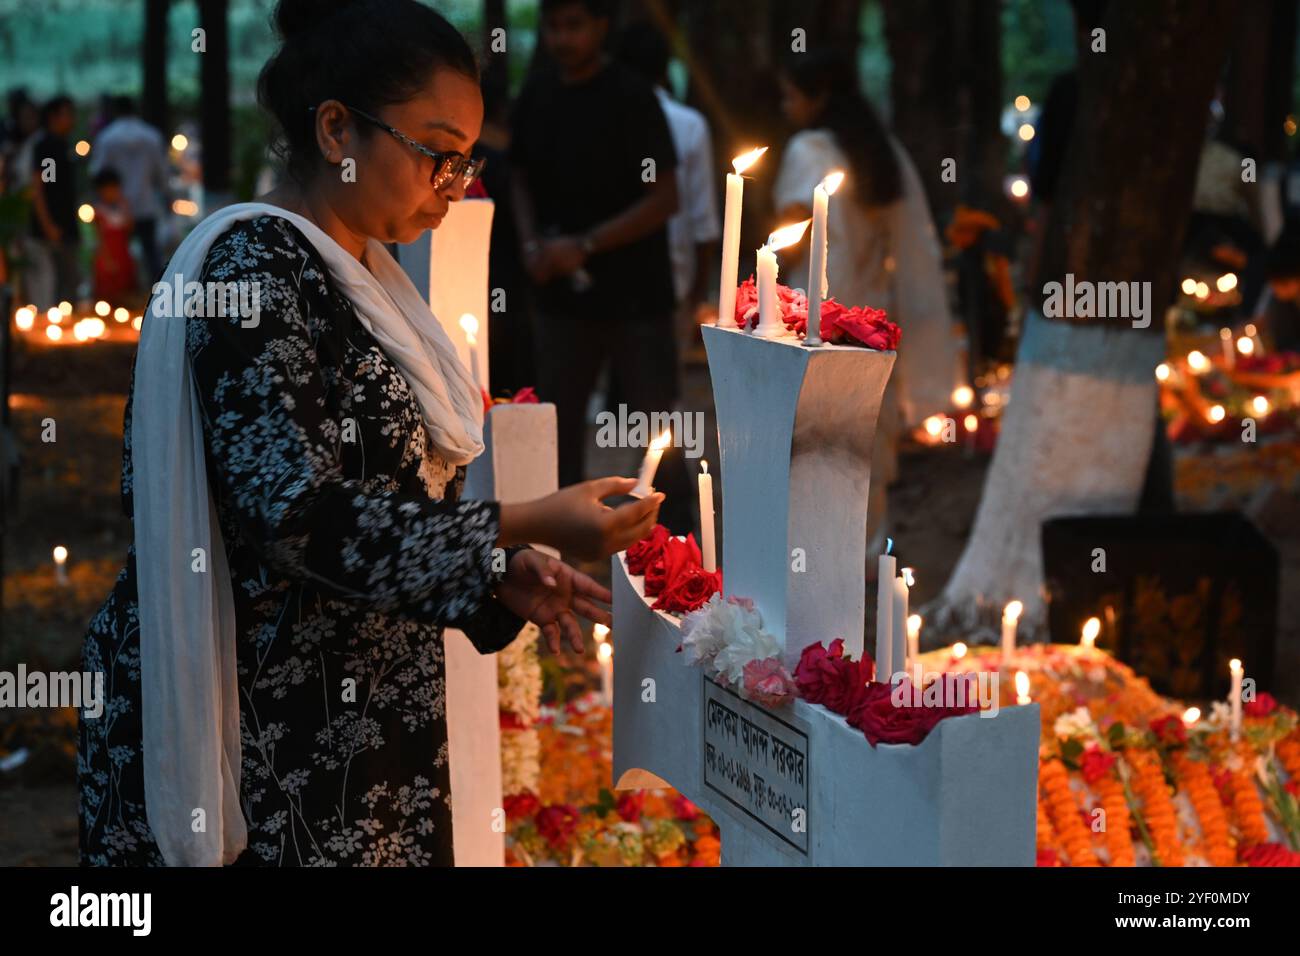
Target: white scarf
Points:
(188, 687)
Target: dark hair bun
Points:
(366, 53)
(294, 17)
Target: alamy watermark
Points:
(22, 688)
(626, 429)
(1098, 300)
(179, 298)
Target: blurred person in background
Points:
(693, 231)
(137, 152)
(53, 268)
(595, 185)
(115, 269)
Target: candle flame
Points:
(745, 160)
(1091, 628)
(1234, 665)
(889, 546)
(913, 625)
(704, 466)
(962, 396)
(470, 326)
(1022, 684)
(601, 633)
(1013, 611)
(60, 554)
(908, 578)
(1191, 715)
(787, 235)
(958, 651)
(605, 652)
(1260, 404)
(832, 181)
(1245, 345)
(664, 440)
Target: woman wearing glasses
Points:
(272, 651)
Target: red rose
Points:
(677, 555)
(1169, 730)
(861, 325)
(642, 554)
(1268, 854)
(825, 676)
(689, 590)
(746, 299)
(883, 721)
(519, 806)
(683, 809)
(556, 823)
(1095, 763)
(629, 805)
(1261, 706)
(767, 682)
(526, 396)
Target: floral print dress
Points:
(349, 550)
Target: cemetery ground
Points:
(68, 494)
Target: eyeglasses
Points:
(446, 166)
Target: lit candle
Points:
(817, 256)
(913, 640)
(1010, 615)
(708, 548)
(469, 324)
(1022, 688)
(898, 620)
(60, 564)
(605, 655)
(1229, 353)
(972, 424)
(1234, 696)
(1253, 334)
(959, 650)
(885, 571)
(601, 633)
(731, 234)
(1246, 345)
(1091, 628)
(769, 307)
(650, 464)
(1191, 715)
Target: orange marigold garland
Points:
(1158, 811)
(1065, 811)
(1216, 842)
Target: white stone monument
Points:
(798, 786)
(519, 463)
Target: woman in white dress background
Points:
(883, 250)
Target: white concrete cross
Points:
(799, 786)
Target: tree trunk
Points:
(1078, 432)
(214, 103)
(153, 108)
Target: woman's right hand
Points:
(576, 522)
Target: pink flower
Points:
(767, 682)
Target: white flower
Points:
(1220, 715)
(706, 630)
(1076, 723)
(749, 643)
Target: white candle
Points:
(650, 464)
(898, 619)
(605, 655)
(1010, 615)
(1091, 628)
(1022, 688)
(1234, 696)
(60, 564)
(769, 307)
(886, 569)
(817, 255)
(469, 324)
(731, 235)
(913, 640)
(708, 549)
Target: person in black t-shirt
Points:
(54, 209)
(594, 187)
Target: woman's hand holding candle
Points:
(576, 522)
